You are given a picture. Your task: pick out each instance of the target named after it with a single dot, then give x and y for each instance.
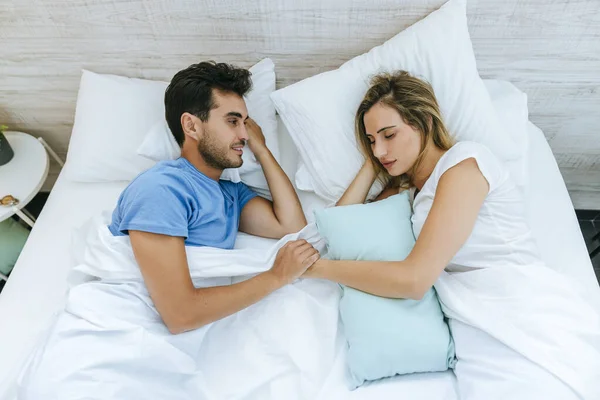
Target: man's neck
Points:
(198, 162)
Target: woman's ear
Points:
(190, 125)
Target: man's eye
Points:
(233, 122)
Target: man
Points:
(183, 203)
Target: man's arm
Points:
(260, 216)
(163, 263)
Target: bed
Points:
(289, 345)
(37, 286)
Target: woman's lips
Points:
(388, 165)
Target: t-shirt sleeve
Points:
(156, 203)
(491, 168)
(244, 195)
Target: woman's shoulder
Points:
(488, 164)
(466, 147)
(464, 150)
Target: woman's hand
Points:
(368, 165)
(359, 188)
(314, 271)
(387, 192)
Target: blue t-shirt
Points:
(173, 198)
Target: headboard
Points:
(549, 49)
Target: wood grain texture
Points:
(550, 49)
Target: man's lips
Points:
(238, 149)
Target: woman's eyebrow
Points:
(387, 127)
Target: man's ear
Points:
(190, 126)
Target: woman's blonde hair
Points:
(415, 101)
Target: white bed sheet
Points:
(37, 285)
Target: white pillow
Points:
(510, 105)
(513, 114)
(319, 111)
(112, 116)
(120, 128)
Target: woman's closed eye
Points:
(389, 136)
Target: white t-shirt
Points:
(501, 235)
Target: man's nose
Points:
(243, 133)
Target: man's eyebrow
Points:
(387, 127)
(234, 114)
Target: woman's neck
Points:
(430, 159)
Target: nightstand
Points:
(23, 176)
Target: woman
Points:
(469, 218)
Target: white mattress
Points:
(37, 285)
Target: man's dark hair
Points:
(191, 90)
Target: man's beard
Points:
(215, 154)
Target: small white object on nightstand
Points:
(23, 176)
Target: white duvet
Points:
(110, 343)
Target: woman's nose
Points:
(379, 149)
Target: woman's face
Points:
(395, 144)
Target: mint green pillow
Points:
(12, 239)
(385, 336)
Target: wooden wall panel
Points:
(550, 49)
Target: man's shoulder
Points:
(229, 184)
(163, 175)
(234, 187)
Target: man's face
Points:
(224, 134)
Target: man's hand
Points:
(256, 139)
(293, 259)
(284, 214)
(163, 263)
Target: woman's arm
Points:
(458, 199)
(387, 192)
(359, 188)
